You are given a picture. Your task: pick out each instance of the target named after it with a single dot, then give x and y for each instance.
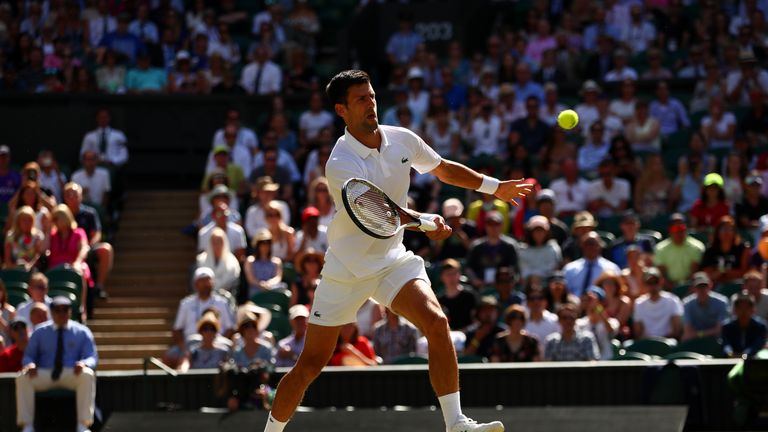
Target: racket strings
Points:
(372, 209)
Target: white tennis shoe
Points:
(466, 424)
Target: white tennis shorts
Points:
(337, 301)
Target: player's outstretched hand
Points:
(511, 190)
(442, 232)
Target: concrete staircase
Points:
(150, 276)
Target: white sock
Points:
(450, 404)
(273, 425)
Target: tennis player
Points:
(358, 266)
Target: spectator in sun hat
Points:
(223, 163)
(540, 254)
(312, 235)
(207, 354)
(219, 194)
(290, 347)
(482, 333)
(712, 205)
(678, 256)
(583, 222)
(745, 334)
(254, 348)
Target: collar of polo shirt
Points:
(361, 149)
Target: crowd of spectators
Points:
(165, 46)
(592, 255)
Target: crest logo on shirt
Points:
(404, 160)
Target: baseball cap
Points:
(4, 149)
(452, 207)
(506, 89)
(677, 218)
(266, 183)
(17, 323)
(557, 275)
(221, 148)
(700, 278)
(182, 55)
(219, 189)
(753, 179)
(596, 290)
(309, 212)
(487, 301)
(584, 219)
(494, 216)
(203, 272)
(61, 301)
(743, 296)
(590, 85)
(545, 195)
(538, 221)
(651, 272)
(298, 310)
(415, 73)
(713, 179)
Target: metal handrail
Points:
(157, 362)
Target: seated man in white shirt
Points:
(570, 189)
(608, 195)
(192, 308)
(265, 191)
(541, 322)
(311, 122)
(94, 180)
(235, 233)
(658, 313)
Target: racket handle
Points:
(427, 224)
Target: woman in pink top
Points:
(69, 244)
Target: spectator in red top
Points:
(10, 358)
(352, 349)
(712, 206)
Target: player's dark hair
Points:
(339, 85)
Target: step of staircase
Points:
(131, 351)
(135, 325)
(151, 275)
(135, 313)
(126, 338)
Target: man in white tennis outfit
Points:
(358, 266)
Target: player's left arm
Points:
(457, 174)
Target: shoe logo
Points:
(317, 314)
(404, 160)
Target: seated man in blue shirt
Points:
(745, 334)
(704, 310)
(61, 354)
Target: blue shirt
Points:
(145, 31)
(576, 272)
(126, 43)
(590, 156)
(402, 46)
(592, 32)
(150, 79)
(705, 316)
(78, 346)
(531, 88)
(671, 116)
(9, 184)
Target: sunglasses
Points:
(205, 329)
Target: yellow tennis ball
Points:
(568, 119)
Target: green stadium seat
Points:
(607, 237)
(9, 275)
(472, 359)
(707, 345)
(280, 326)
(410, 360)
(729, 289)
(628, 355)
(66, 274)
(654, 346)
(15, 297)
(682, 291)
(279, 296)
(656, 235)
(289, 272)
(17, 286)
(685, 355)
(65, 286)
(702, 236)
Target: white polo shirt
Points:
(351, 253)
(94, 186)
(191, 310)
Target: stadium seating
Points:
(685, 355)
(9, 275)
(629, 355)
(410, 360)
(280, 297)
(707, 346)
(653, 346)
(15, 297)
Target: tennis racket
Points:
(374, 213)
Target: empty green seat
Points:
(685, 355)
(410, 360)
(66, 286)
(17, 286)
(279, 296)
(14, 298)
(280, 326)
(653, 346)
(10, 275)
(682, 291)
(707, 345)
